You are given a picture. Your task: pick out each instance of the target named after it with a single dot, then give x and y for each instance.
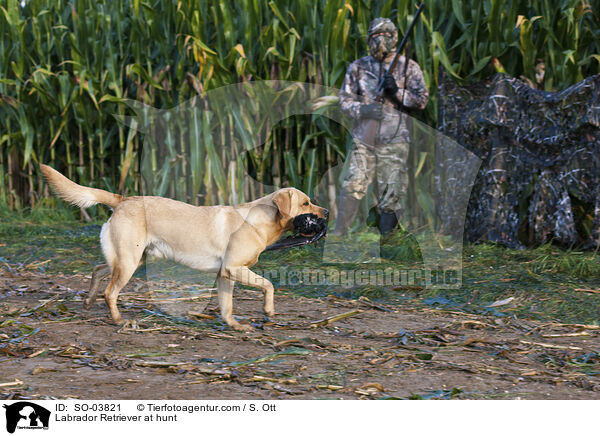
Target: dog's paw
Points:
(241, 327)
(119, 320)
(128, 325)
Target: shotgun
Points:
(373, 125)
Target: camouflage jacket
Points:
(360, 85)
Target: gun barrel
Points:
(400, 48)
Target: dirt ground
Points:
(51, 348)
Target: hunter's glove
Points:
(371, 111)
(389, 84)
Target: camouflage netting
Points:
(541, 159)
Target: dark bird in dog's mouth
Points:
(308, 228)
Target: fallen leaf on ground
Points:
(501, 302)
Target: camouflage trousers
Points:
(384, 164)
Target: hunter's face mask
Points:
(380, 45)
(382, 38)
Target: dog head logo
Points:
(26, 415)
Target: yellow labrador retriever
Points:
(222, 239)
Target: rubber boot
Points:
(387, 222)
(347, 208)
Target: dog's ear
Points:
(283, 201)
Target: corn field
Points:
(68, 67)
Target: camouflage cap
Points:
(383, 25)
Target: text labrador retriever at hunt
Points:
(226, 240)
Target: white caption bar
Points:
(264, 417)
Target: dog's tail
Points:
(79, 195)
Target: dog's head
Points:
(291, 202)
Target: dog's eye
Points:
(305, 203)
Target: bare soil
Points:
(51, 348)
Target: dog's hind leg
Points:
(121, 273)
(100, 272)
(225, 297)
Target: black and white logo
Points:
(26, 415)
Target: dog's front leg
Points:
(225, 296)
(244, 276)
